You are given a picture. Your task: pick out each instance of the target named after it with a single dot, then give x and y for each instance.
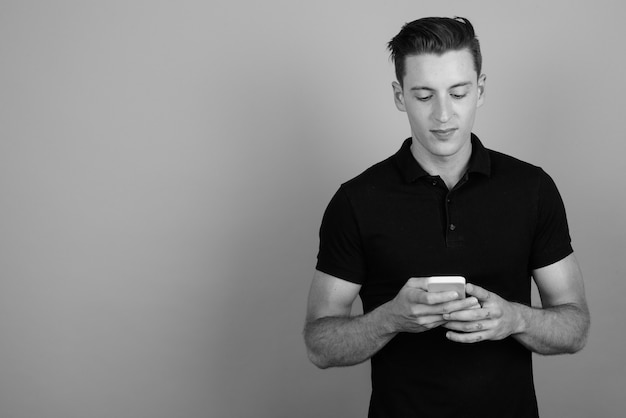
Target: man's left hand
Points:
(496, 319)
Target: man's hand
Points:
(496, 319)
(336, 338)
(559, 326)
(414, 309)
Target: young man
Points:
(445, 205)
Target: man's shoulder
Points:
(505, 164)
(378, 175)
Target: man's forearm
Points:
(554, 330)
(345, 341)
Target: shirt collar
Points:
(411, 170)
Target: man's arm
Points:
(560, 326)
(334, 338)
(563, 323)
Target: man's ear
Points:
(398, 96)
(482, 80)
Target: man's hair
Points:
(434, 35)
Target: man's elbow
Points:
(313, 352)
(577, 346)
(583, 335)
(318, 360)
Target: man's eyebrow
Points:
(463, 84)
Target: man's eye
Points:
(423, 99)
(458, 96)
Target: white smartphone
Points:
(447, 283)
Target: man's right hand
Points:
(414, 309)
(334, 337)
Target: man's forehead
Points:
(450, 68)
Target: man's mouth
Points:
(443, 133)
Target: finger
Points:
(457, 305)
(469, 314)
(481, 294)
(467, 338)
(470, 327)
(433, 298)
(430, 321)
(426, 305)
(418, 291)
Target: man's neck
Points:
(450, 168)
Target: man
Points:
(445, 205)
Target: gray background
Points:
(164, 166)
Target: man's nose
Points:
(443, 110)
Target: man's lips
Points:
(443, 132)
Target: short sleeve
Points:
(552, 240)
(341, 250)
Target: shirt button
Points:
(452, 227)
(434, 182)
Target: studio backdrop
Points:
(164, 167)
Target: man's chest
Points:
(476, 232)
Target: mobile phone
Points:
(447, 283)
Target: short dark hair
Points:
(434, 35)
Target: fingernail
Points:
(446, 316)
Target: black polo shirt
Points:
(503, 219)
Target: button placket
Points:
(451, 226)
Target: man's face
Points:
(440, 96)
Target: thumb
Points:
(417, 283)
(477, 291)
